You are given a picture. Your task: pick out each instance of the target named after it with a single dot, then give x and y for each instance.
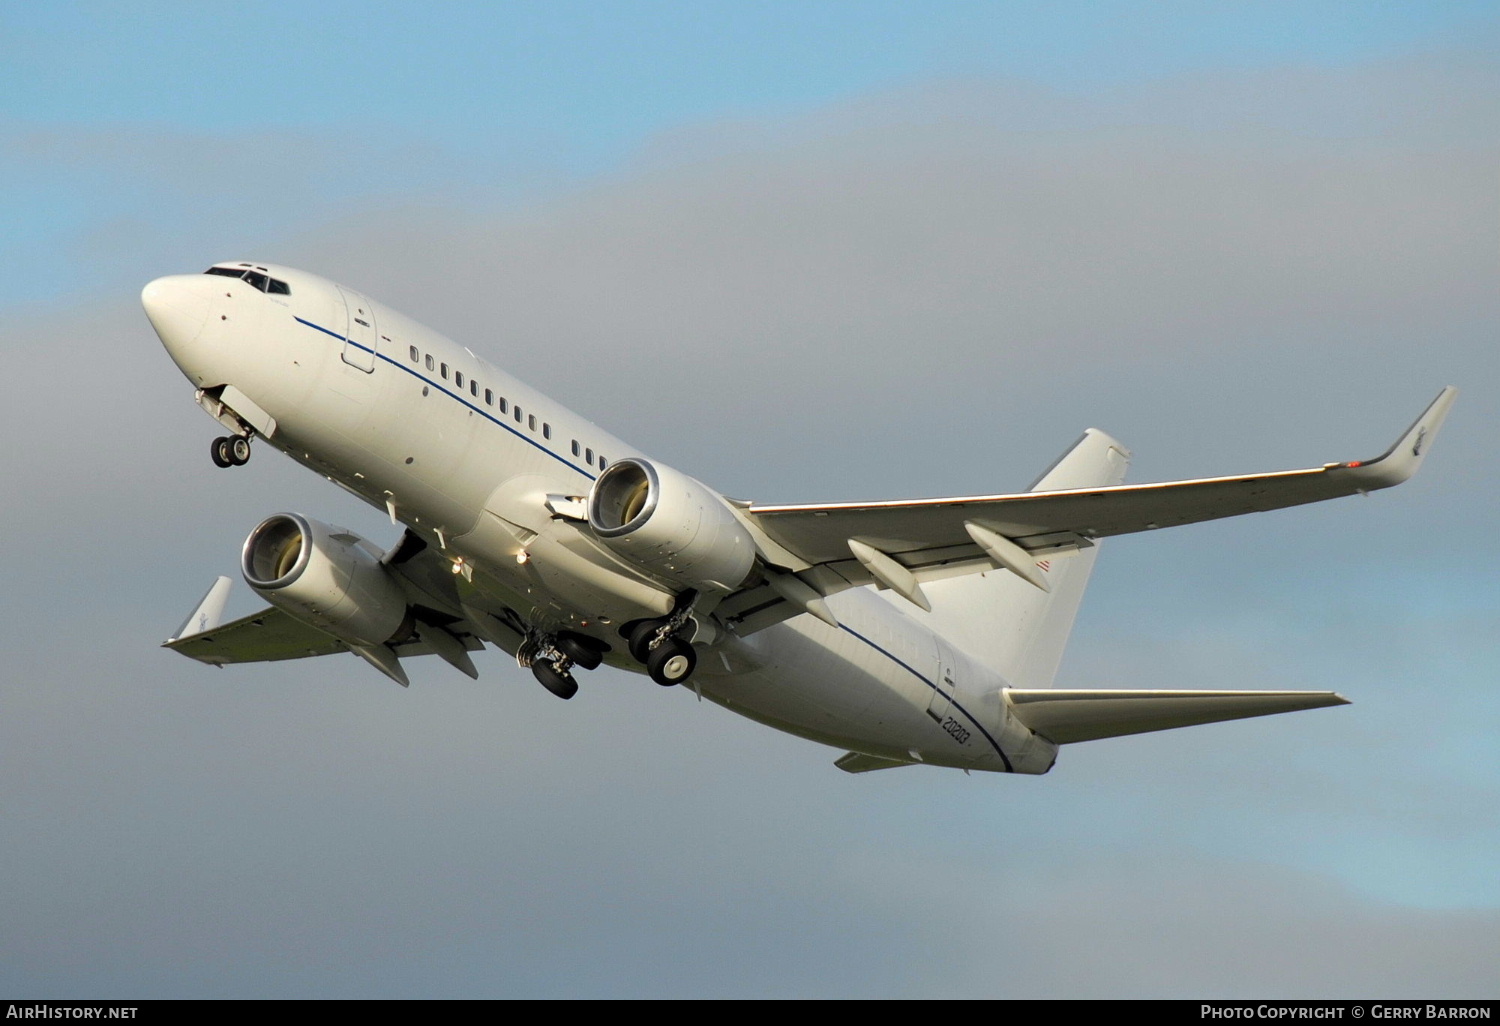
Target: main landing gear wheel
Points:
(640, 637)
(671, 662)
(583, 650)
(554, 680)
(219, 452)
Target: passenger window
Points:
(458, 379)
(430, 364)
(518, 415)
(444, 371)
(603, 463)
(576, 450)
(531, 421)
(503, 404)
(473, 387)
(589, 456)
(414, 355)
(489, 397)
(546, 430)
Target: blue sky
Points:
(504, 101)
(885, 249)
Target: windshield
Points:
(245, 272)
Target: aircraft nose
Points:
(178, 307)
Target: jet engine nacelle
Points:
(670, 525)
(325, 576)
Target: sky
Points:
(812, 251)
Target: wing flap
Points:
(1064, 717)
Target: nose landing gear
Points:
(230, 451)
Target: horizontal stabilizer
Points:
(1064, 717)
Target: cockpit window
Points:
(263, 282)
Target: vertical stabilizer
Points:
(1009, 624)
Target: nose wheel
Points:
(230, 451)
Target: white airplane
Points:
(907, 632)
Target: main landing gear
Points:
(668, 658)
(230, 451)
(553, 656)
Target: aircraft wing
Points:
(266, 636)
(899, 544)
(270, 634)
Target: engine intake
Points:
(327, 577)
(670, 525)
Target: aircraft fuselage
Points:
(477, 465)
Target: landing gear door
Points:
(359, 330)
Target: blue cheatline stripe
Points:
(918, 674)
(452, 395)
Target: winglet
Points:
(1401, 460)
(208, 613)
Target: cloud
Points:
(926, 291)
(932, 260)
